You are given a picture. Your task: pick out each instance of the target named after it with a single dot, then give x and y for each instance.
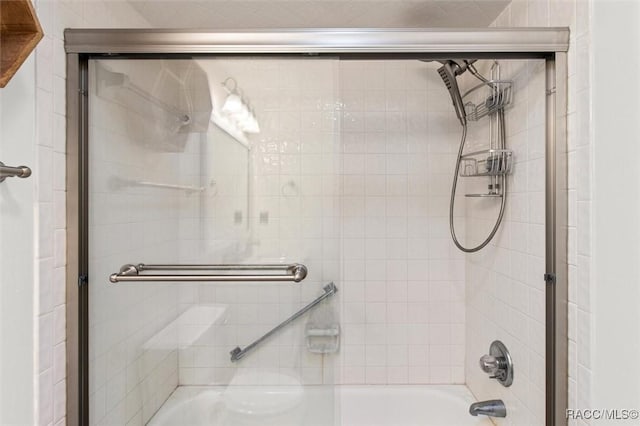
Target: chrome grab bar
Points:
(7, 171)
(294, 272)
(237, 353)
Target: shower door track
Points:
(549, 44)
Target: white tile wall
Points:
(505, 286)
(576, 15)
(133, 351)
(403, 290)
(293, 205)
(50, 249)
(383, 219)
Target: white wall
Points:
(18, 298)
(616, 227)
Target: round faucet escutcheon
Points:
(498, 363)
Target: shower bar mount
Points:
(295, 272)
(238, 353)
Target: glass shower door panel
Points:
(179, 177)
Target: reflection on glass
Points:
(178, 178)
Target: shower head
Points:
(448, 72)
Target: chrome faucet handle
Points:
(489, 364)
(498, 363)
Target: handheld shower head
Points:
(448, 72)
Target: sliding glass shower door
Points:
(198, 168)
(264, 228)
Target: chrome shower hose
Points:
(503, 202)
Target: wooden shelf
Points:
(20, 32)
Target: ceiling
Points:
(250, 14)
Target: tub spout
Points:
(491, 408)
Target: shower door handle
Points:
(131, 273)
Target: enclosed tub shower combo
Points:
(317, 227)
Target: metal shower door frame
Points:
(550, 44)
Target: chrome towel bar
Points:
(185, 188)
(294, 272)
(119, 183)
(329, 290)
(7, 171)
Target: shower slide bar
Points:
(329, 290)
(295, 272)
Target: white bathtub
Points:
(407, 405)
(401, 405)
